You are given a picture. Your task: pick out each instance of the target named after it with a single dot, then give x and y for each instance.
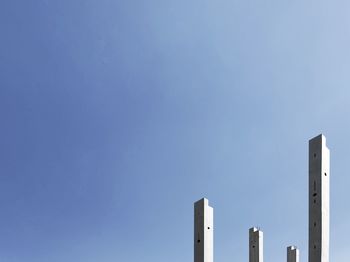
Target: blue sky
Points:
(117, 115)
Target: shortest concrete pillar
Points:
(292, 254)
(256, 245)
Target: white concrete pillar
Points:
(203, 231)
(292, 254)
(256, 245)
(318, 200)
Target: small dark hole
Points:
(198, 241)
(208, 227)
(315, 247)
(314, 224)
(253, 246)
(315, 194)
(325, 174)
(315, 155)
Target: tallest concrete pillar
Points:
(203, 231)
(318, 200)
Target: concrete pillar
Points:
(256, 245)
(318, 200)
(292, 254)
(203, 231)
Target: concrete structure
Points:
(292, 254)
(256, 245)
(318, 200)
(319, 175)
(203, 231)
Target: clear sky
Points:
(117, 115)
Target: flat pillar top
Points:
(318, 139)
(255, 230)
(203, 200)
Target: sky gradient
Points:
(117, 115)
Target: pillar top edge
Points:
(319, 138)
(255, 229)
(292, 248)
(202, 200)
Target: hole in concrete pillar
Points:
(325, 174)
(314, 224)
(314, 246)
(315, 194)
(253, 246)
(208, 227)
(315, 155)
(198, 241)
